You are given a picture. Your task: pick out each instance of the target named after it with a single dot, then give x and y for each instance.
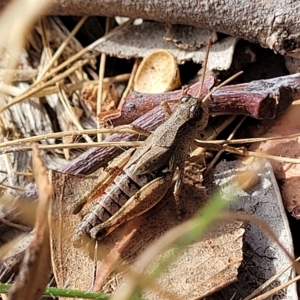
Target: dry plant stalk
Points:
(36, 265)
(258, 290)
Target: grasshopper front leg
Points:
(142, 201)
(176, 192)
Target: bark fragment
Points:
(272, 24)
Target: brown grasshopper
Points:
(148, 175)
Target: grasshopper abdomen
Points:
(109, 203)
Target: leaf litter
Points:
(88, 260)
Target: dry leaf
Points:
(110, 97)
(75, 267)
(207, 265)
(36, 266)
(89, 97)
(72, 267)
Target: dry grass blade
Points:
(8, 246)
(100, 83)
(276, 290)
(215, 145)
(33, 89)
(17, 188)
(218, 155)
(245, 152)
(36, 265)
(130, 82)
(77, 145)
(204, 66)
(57, 135)
(222, 84)
(69, 87)
(64, 99)
(249, 140)
(60, 50)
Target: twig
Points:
(130, 81)
(100, 83)
(260, 99)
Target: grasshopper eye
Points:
(185, 99)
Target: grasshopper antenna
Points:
(222, 84)
(204, 72)
(204, 66)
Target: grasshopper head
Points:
(195, 108)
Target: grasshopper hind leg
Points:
(147, 197)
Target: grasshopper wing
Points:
(155, 158)
(140, 151)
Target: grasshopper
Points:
(148, 174)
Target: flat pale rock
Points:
(262, 256)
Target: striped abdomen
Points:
(114, 197)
